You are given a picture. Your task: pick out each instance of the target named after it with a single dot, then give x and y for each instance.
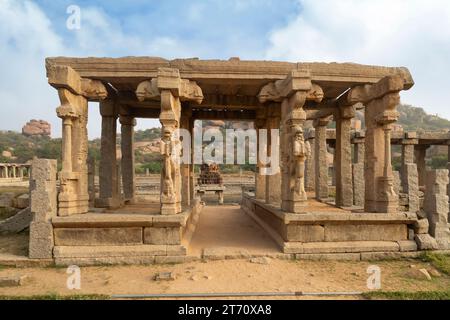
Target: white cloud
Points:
(25, 39)
(411, 33)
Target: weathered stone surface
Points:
(41, 240)
(22, 201)
(17, 223)
(437, 207)
(12, 281)
(358, 184)
(344, 232)
(421, 226)
(164, 276)
(305, 233)
(425, 242)
(341, 247)
(407, 245)
(74, 252)
(329, 256)
(162, 235)
(7, 200)
(97, 236)
(410, 183)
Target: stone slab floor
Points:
(229, 230)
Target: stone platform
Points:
(123, 236)
(329, 230)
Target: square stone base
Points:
(332, 231)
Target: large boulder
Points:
(36, 128)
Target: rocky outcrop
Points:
(36, 128)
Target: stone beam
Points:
(64, 77)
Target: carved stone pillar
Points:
(171, 90)
(127, 162)
(73, 196)
(170, 148)
(381, 100)
(74, 93)
(292, 93)
(108, 179)
(358, 169)
(296, 150)
(321, 153)
(343, 158)
(310, 174)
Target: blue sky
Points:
(411, 33)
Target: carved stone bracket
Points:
(169, 79)
(64, 77)
(297, 80)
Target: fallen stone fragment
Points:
(164, 276)
(12, 281)
(426, 274)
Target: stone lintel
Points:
(64, 77)
(367, 93)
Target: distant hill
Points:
(414, 118)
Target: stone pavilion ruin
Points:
(74, 225)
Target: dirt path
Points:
(227, 227)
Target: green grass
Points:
(439, 261)
(55, 296)
(404, 295)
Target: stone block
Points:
(162, 235)
(425, 242)
(407, 245)
(12, 281)
(350, 246)
(329, 256)
(109, 251)
(22, 201)
(304, 233)
(7, 200)
(41, 240)
(97, 236)
(364, 232)
(421, 226)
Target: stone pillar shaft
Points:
(321, 159)
(127, 162)
(421, 152)
(310, 179)
(108, 179)
(273, 181)
(343, 157)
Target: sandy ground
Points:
(229, 228)
(226, 276)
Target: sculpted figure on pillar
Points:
(301, 151)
